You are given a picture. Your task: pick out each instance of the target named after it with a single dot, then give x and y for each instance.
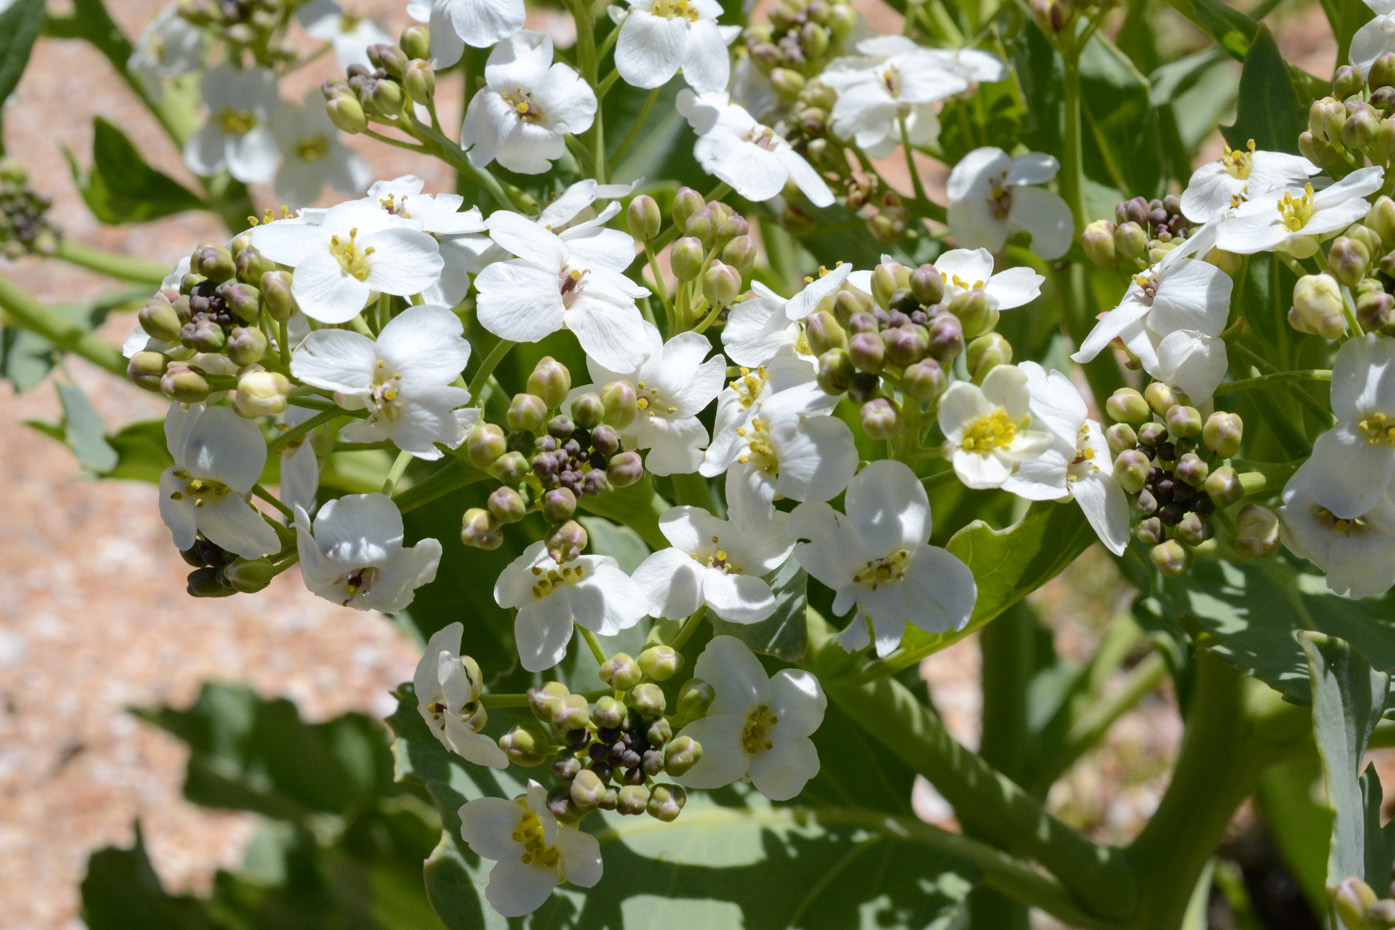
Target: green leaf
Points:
(19, 27)
(785, 633)
(247, 753)
(1274, 114)
(84, 431)
(1232, 29)
(1345, 18)
(1250, 612)
(141, 451)
(122, 892)
(1289, 799)
(619, 542)
(25, 358)
(1009, 564)
(1191, 96)
(1349, 697)
(121, 187)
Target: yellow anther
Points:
(1238, 163)
(1296, 211)
(890, 568)
(1379, 429)
(312, 148)
(991, 431)
(755, 736)
(237, 122)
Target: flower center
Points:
(1379, 429)
(1000, 198)
(359, 581)
(351, 258)
(960, 282)
(759, 450)
(755, 734)
(348, 22)
(1083, 464)
(991, 431)
(1238, 162)
(650, 402)
(749, 386)
(891, 80)
(718, 559)
(237, 122)
(1147, 283)
(764, 137)
(200, 490)
(524, 105)
(886, 570)
(1294, 212)
(553, 578)
(529, 832)
(386, 392)
(312, 148)
(569, 284)
(1345, 527)
(674, 9)
(393, 205)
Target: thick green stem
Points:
(22, 309)
(491, 361)
(110, 263)
(1072, 177)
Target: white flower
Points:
(758, 727)
(758, 329)
(712, 562)
(300, 467)
(590, 591)
(1375, 37)
(577, 283)
(878, 558)
(1083, 455)
(1240, 175)
(353, 554)
(753, 158)
(895, 80)
(787, 377)
(1356, 553)
(534, 852)
(403, 379)
(455, 24)
(964, 270)
(312, 154)
(527, 108)
(350, 35)
(238, 133)
(218, 456)
(989, 430)
(448, 687)
(974, 66)
(1353, 463)
(352, 252)
(992, 198)
(816, 289)
(169, 47)
(1296, 221)
(658, 37)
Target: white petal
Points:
(672, 583)
(336, 360)
(781, 772)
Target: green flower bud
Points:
(1192, 469)
(1193, 529)
(924, 381)
(621, 672)
(740, 253)
(1170, 557)
(609, 712)
(721, 284)
(1375, 310)
(204, 335)
(566, 542)
(660, 662)
(1367, 237)
(643, 218)
(624, 469)
(886, 280)
(666, 802)
(389, 58)
(1326, 117)
(485, 444)
(632, 800)
(906, 345)
(974, 313)
(244, 300)
(146, 370)
(648, 700)
(867, 352)
(214, 262)
(416, 41)
(527, 413)
(787, 84)
(1131, 469)
(1348, 260)
(480, 530)
(420, 81)
(880, 419)
(1361, 125)
(262, 393)
(660, 731)
(526, 744)
(702, 227)
(1347, 82)
(835, 371)
(1317, 307)
(1223, 486)
(1353, 897)
(686, 258)
(551, 381)
(507, 505)
(1130, 241)
(1098, 243)
(926, 285)
(1162, 398)
(543, 700)
(847, 303)
(205, 582)
(510, 468)
(246, 345)
(184, 384)
(1150, 531)
(1382, 73)
(1381, 219)
(159, 318)
(1223, 433)
(277, 297)
(561, 806)
(1183, 422)
(1152, 434)
(1256, 531)
(558, 505)
(823, 332)
(248, 576)
(986, 353)
(1052, 16)
(685, 203)
(588, 410)
(587, 790)
(680, 755)
(842, 19)
(384, 97)
(571, 712)
(346, 113)
(1120, 436)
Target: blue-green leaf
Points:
(19, 27)
(121, 187)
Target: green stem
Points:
(1072, 177)
(1349, 311)
(22, 309)
(595, 645)
(394, 475)
(916, 185)
(295, 432)
(110, 263)
(689, 627)
(1278, 377)
(443, 481)
(660, 287)
(491, 361)
(264, 494)
(633, 134)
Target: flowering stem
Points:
(920, 196)
(1072, 159)
(595, 644)
(660, 287)
(110, 264)
(439, 145)
(633, 134)
(491, 361)
(295, 432)
(1349, 310)
(689, 627)
(395, 473)
(264, 494)
(1247, 384)
(1313, 404)
(22, 309)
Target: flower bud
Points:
(184, 384)
(1222, 434)
(1161, 397)
(1317, 306)
(1098, 243)
(389, 58)
(632, 800)
(558, 505)
(485, 444)
(867, 352)
(214, 262)
(146, 369)
(1131, 469)
(1347, 82)
(510, 468)
(621, 672)
(587, 790)
(243, 300)
(666, 802)
(1325, 120)
(685, 203)
(526, 744)
(566, 542)
(1382, 72)
(835, 371)
(527, 413)
(160, 320)
(261, 393)
(1120, 436)
(543, 699)
(701, 228)
(566, 767)
(1152, 434)
(1367, 237)
(1223, 486)
(946, 338)
(924, 381)
(1193, 529)
(247, 576)
(346, 113)
(680, 755)
(1256, 531)
(1052, 16)
(609, 712)
(880, 419)
(246, 345)
(507, 505)
(686, 258)
(731, 227)
(1360, 126)
(624, 469)
(416, 41)
(569, 713)
(848, 303)
(823, 333)
(643, 218)
(1375, 311)
(1192, 469)
(721, 284)
(886, 279)
(787, 84)
(203, 335)
(974, 313)
(694, 697)
(561, 806)
(660, 731)
(660, 662)
(1381, 217)
(420, 81)
(479, 529)
(206, 582)
(926, 285)
(383, 97)
(986, 353)
(1348, 260)
(276, 295)
(1182, 421)
(648, 700)
(906, 345)
(1170, 557)
(1150, 531)
(1353, 897)
(605, 440)
(1130, 241)
(740, 253)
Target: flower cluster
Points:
(25, 227)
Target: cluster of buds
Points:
(1358, 908)
(800, 39)
(1054, 17)
(219, 573)
(400, 76)
(1356, 122)
(608, 755)
(1363, 260)
(548, 460)
(1142, 230)
(712, 258)
(24, 225)
(210, 327)
(256, 25)
(1171, 461)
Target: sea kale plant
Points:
(743, 359)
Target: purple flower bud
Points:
(625, 469)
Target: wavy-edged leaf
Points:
(1274, 114)
(121, 187)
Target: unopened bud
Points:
(261, 393)
(205, 582)
(1347, 82)
(510, 468)
(1360, 126)
(160, 320)
(632, 800)
(685, 203)
(1381, 218)
(823, 333)
(214, 262)
(721, 284)
(1352, 899)
(507, 505)
(184, 384)
(346, 113)
(986, 353)
(485, 444)
(1223, 486)
(975, 313)
(694, 697)
(146, 370)
(1120, 436)
(587, 790)
(880, 419)
(787, 84)
(740, 253)
(1131, 469)
(621, 672)
(927, 286)
(420, 81)
(248, 576)
(624, 469)
(946, 338)
(1375, 311)
(1130, 241)
(906, 345)
(246, 345)
(526, 744)
(1161, 397)
(543, 700)
(1223, 433)
(1317, 306)
(610, 711)
(660, 662)
(835, 371)
(1183, 422)
(648, 700)
(479, 529)
(1098, 243)
(680, 755)
(277, 297)
(924, 381)
(570, 713)
(527, 413)
(1256, 531)
(686, 258)
(566, 542)
(1193, 529)
(1192, 469)
(660, 731)
(666, 802)
(867, 352)
(1170, 557)
(1348, 260)
(887, 279)
(558, 505)
(643, 218)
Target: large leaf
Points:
(1232, 29)
(122, 892)
(19, 27)
(1274, 114)
(121, 187)
(85, 434)
(784, 634)
(1349, 697)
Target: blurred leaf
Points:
(1122, 138)
(1191, 95)
(619, 542)
(1345, 18)
(84, 431)
(1232, 29)
(19, 27)
(121, 187)
(122, 892)
(141, 451)
(785, 633)
(662, 152)
(26, 358)
(1274, 114)
(1288, 797)
(1349, 697)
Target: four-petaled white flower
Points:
(218, 456)
(448, 687)
(674, 385)
(354, 250)
(349, 35)
(403, 379)
(989, 429)
(658, 37)
(169, 47)
(237, 136)
(1296, 221)
(1356, 553)
(759, 330)
(312, 154)
(965, 270)
(753, 158)
(534, 852)
(712, 562)
(577, 283)
(352, 554)
(878, 557)
(527, 108)
(758, 726)
(455, 24)
(1240, 175)
(1353, 463)
(992, 197)
(590, 591)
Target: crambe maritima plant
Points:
(713, 369)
